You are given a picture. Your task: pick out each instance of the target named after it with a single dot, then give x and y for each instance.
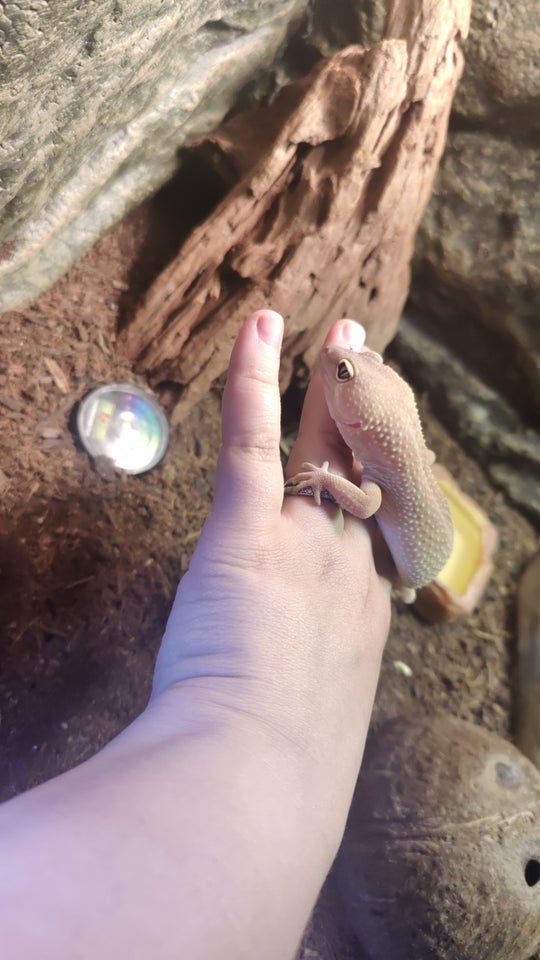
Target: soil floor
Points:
(89, 562)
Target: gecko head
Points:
(351, 380)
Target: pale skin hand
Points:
(206, 829)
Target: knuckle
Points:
(263, 447)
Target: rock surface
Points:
(477, 415)
(476, 273)
(96, 100)
(334, 24)
(501, 81)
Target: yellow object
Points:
(468, 549)
(458, 587)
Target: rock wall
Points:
(96, 99)
(476, 275)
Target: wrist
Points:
(302, 778)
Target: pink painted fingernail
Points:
(269, 327)
(353, 334)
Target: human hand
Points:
(280, 621)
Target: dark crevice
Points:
(221, 28)
(287, 254)
(174, 212)
(511, 124)
(325, 198)
(532, 872)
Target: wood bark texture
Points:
(329, 186)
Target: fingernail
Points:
(269, 327)
(353, 334)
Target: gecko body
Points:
(376, 414)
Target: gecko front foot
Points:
(311, 482)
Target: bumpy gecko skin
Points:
(376, 414)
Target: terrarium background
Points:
(88, 566)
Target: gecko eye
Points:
(344, 370)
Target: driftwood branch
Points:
(332, 181)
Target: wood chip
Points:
(403, 668)
(101, 343)
(4, 483)
(49, 433)
(57, 374)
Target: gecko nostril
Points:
(532, 872)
